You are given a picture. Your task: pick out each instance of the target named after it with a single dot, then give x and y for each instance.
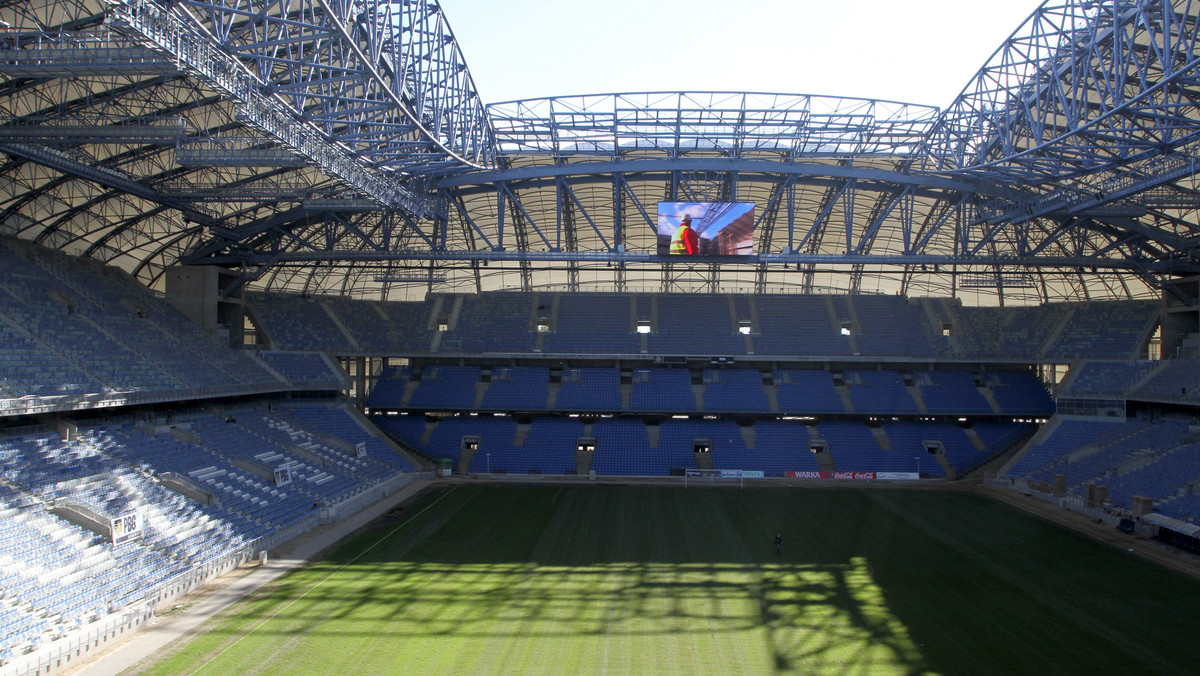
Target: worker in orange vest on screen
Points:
(685, 240)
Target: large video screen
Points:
(705, 228)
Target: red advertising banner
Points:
(852, 476)
(870, 476)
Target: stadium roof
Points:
(326, 147)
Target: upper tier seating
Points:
(694, 324)
(389, 387)
(807, 392)
(521, 388)
(889, 326)
(78, 335)
(1104, 378)
(489, 323)
(879, 392)
(989, 333)
(798, 325)
(1174, 381)
(950, 392)
(307, 369)
(597, 323)
(793, 326)
(301, 324)
(1019, 393)
(664, 390)
(734, 390)
(1058, 332)
(589, 389)
(1102, 327)
(374, 331)
(410, 323)
(446, 387)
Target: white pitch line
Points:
(276, 613)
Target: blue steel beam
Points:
(1081, 87)
(181, 37)
(1073, 116)
(102, 176)
(371, 75)
(1005, 261)
(603, 168)
(1086, 107)
(790, 126)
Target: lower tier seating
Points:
(634, 446)
(1144, 457)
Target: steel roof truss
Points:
(516, 201)
(579, 205)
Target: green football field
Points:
(598, 579)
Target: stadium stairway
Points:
(838, 317)
(947, 469)
(413, 458)
(1056, 332)
(938, 320)
(825, 461)
(915, 393)
(583, 462)
(1041, 435)
(409, 388)
(521, 435)
(341, 326)
(882, 438)
(748, 436)
(844, 393)
(464, 461)
(976, 440)
(986, 393)
(997, 462)
(772, 392)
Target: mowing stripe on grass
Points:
(322, 581)
(605, 579)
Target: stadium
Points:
(268, 266)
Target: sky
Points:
(912, 51)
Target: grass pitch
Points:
(633, 579)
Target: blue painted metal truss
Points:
(147, 134)
(333, 145)
(376, 93)
(1087, 108)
